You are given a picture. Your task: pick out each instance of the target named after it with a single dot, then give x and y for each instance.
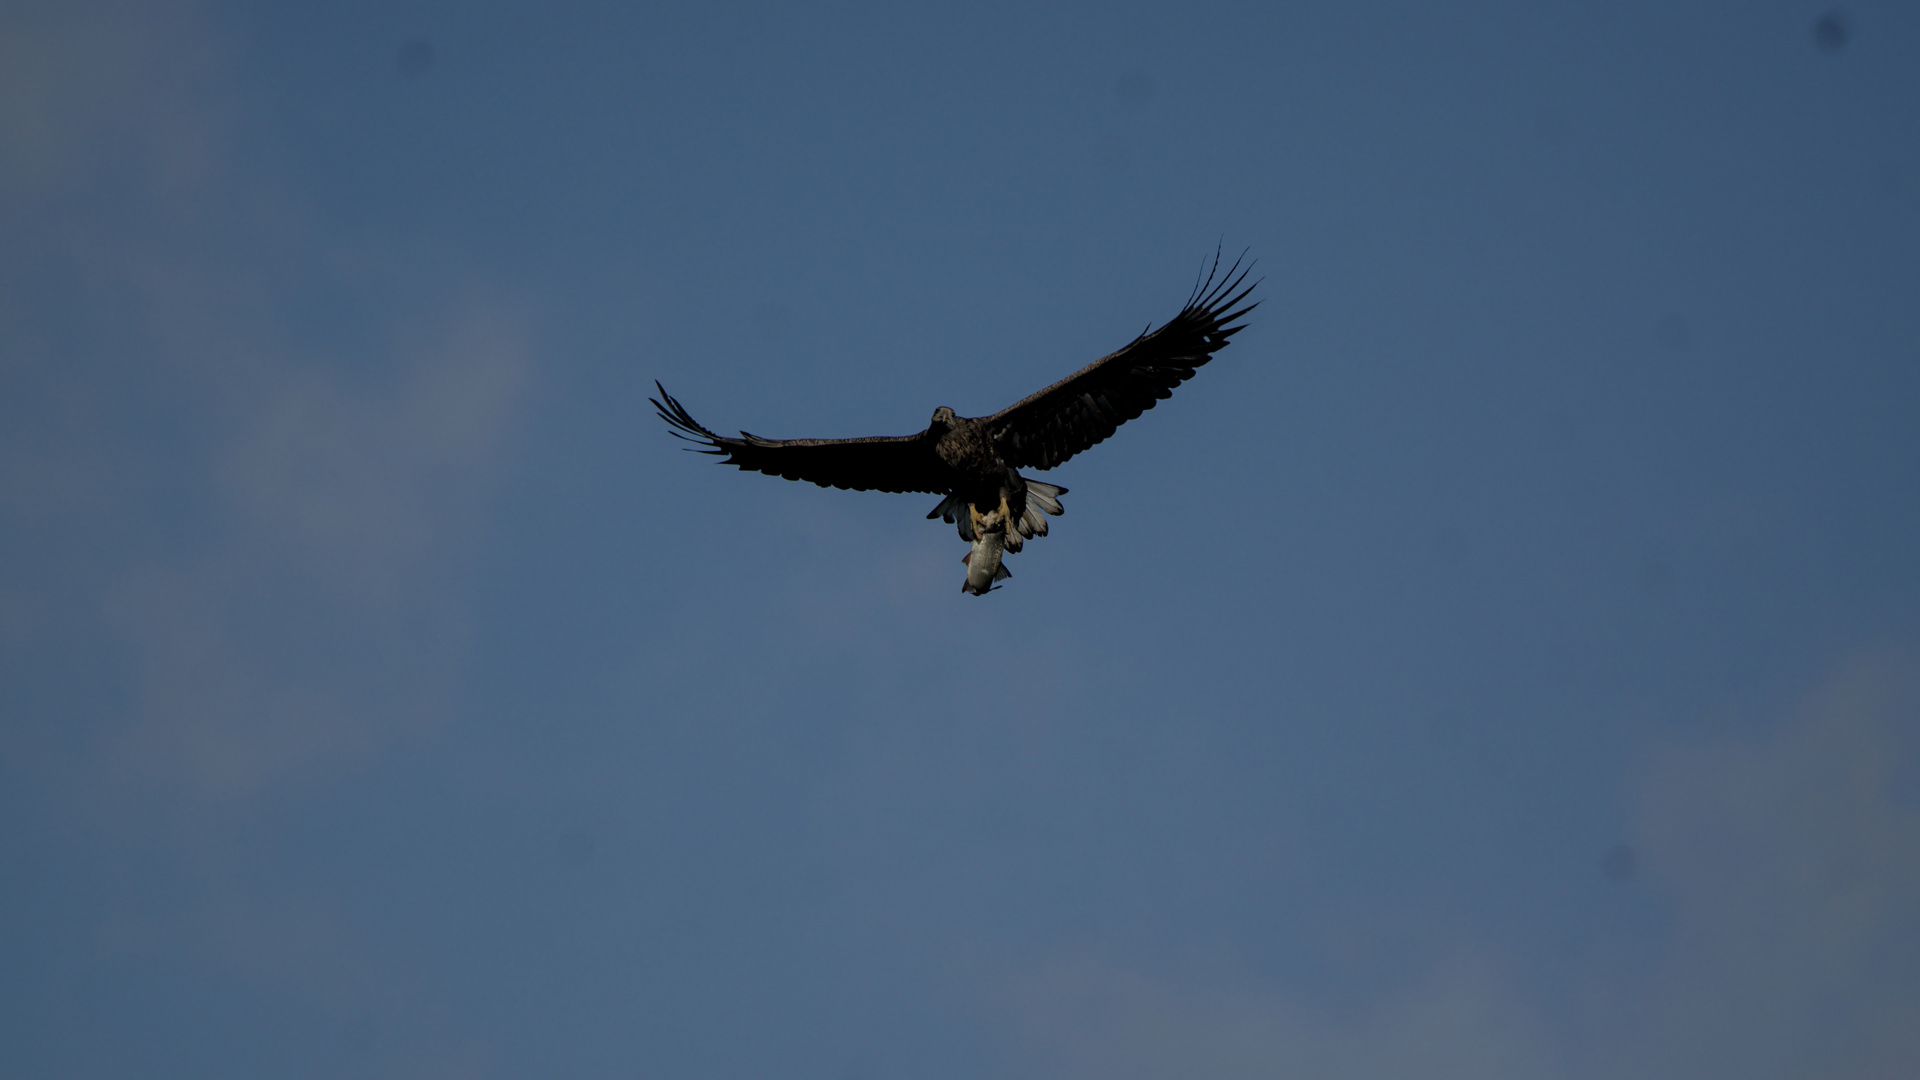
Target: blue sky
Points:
(1503, 661)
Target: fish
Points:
(984, 565)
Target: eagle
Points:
(973, 462)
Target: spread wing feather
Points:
(1049, 427)
(896, 463)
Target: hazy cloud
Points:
(86, 89)
(1087, 1016)
(238, 518)
(264, 502)
(1790, 860)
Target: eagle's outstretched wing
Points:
(1084, 408)
(882, 463)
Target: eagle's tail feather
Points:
(1042, 499)
(950, 508)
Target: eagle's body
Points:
(975, 471)
(974, 461)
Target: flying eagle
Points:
(972, 461)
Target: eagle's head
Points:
(943, 417)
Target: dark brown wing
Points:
(881, 463)
(1084, 408)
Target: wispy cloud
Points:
(264, 501)
(237, 516)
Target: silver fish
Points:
(984, 565)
